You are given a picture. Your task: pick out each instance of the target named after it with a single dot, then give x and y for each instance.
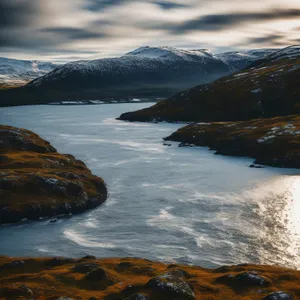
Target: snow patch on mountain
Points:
(19, 72)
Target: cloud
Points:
(106, 28)
(272, 38)
(96, 5)
(72, 33)
(16, 13)
(169, 5)
(219, 22)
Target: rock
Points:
(53, 220)
(170, 287)
(137, 296)
(243, 280)
(179, 273)
(185, 145)
(59, 261)
(14, 264)
(223, 269)
(89, 257)
(27, 291)
(279, 296)
(14, 292)
(93, 298)
(251, 279)
(125, 265)
(98, 274)
(84, 268)
(256, 166)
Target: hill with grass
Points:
(269, 87)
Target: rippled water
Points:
(165, 203)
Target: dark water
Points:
(166, 203)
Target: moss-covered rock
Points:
(274, 141)
(37, 181)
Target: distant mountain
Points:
(14, 72)
(238, 60)
(269, 87)
(146, 71)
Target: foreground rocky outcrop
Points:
(36, 181)
(138, 279)
(269, 87)
(274, 141)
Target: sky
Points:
(66, 30)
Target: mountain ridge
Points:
(268, 88)
(146, 71)
(15, 73)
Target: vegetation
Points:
(268, 88)
(129, 278)
(274, 141)
(37, 181)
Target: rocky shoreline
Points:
(274, 142)
(36, 181)
(89, 278)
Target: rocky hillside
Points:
(15, 73)
(274, 141)
(37, 181)
(137, 279)
(147, 71)
(269, 87)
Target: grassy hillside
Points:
(272, 141)
(138, 279)
(268, 88)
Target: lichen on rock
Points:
(36, 181)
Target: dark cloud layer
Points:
(272, 38)
(221, 22)
(98, 5)
(169, 5)
(113, 27)
(72, 33)
(16, 13)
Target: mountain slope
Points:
(269, 87)
(14, 72)
(147, 71)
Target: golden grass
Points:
(35, 179)
(129, 276)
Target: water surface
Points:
(165, 203)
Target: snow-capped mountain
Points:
(14, 72)
(146, 71)
(161, 66)
(169, 53)
(269, 87)
(238, 60)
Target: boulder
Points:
(85, 267)
(137, 296)
(170, 287)
(98, 274)
(279, 296)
